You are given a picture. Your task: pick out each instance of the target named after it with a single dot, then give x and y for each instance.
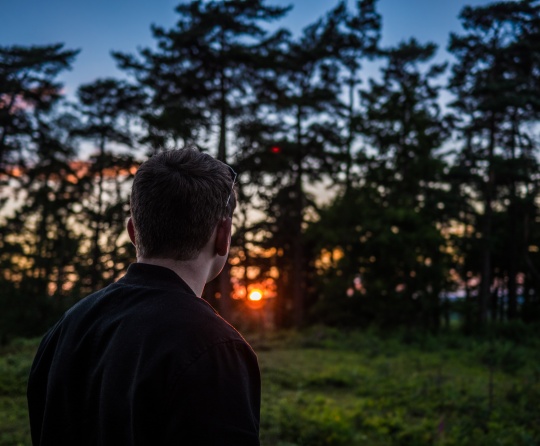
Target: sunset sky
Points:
(98, 26)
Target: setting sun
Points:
(255, 295)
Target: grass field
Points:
(328, 387)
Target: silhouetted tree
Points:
(495, 80)
(28, 82)
(286, 146)
(384, 237)
(36, 243)
(356, 38)
(107, 108)
(199, 77)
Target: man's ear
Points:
(223, 236)
(131, 230)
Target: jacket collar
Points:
(154, 276)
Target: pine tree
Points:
(384, 237)
(200, 78)
(285, 145)
(495, 81)
(27, 83)
(36, 244)
(356, 38)
(107, 110)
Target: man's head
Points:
(177, 199)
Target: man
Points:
(146, 361)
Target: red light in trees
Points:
(275, 149)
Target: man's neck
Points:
(193, 272)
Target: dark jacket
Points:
(144, 362)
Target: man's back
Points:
(144, 362)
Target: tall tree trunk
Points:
(297, 269)
(348, 148)
(513, 239)
(485, 283)
(532, 278)
(222, 144)
(96, 271)
(298, 257)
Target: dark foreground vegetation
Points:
(325, 387)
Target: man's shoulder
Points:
(157, 321)
(174, 317)
(197, 320)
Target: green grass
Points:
(15, 361)
(327, 387)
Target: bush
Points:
(313, 422)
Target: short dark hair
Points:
(177, 199)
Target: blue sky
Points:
(98, 26)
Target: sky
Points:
(97, 27)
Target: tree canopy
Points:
(362, 201)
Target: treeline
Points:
(360, 202)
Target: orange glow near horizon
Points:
(255, 295)
(80, 169)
